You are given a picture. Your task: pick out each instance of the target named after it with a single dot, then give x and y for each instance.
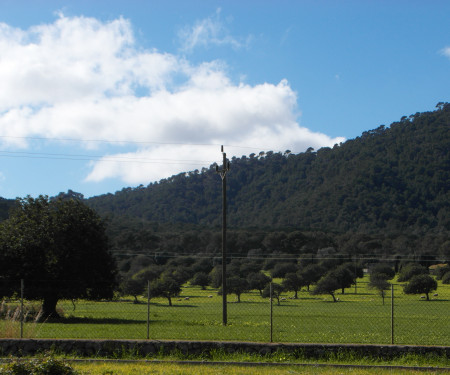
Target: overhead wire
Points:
(110, 141)
(78, 157)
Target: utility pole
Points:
(223, 175)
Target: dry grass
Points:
(10, 317)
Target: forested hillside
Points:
(392, 179)
(383, 194)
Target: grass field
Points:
(356, 318)
(183, 369)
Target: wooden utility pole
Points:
(223, 175)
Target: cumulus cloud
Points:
(82, 78)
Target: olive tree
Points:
(421, 284)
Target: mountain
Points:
(393, 179)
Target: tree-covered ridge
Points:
(394, 179)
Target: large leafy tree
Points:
(59, 247)
(258, 281)
(166, 286)
(236, 285)
(328, 284)
(292, 282)
(310, 274)
(421, 284)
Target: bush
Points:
(44, 366)
(446, 278)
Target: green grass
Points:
(230, 363)
(356, 318)
(205, 369)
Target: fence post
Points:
(148, 309)
(392, 314)
(22, 286)
(271, 313)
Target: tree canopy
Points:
(59, 247)
(421, 284)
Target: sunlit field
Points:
(197, 315)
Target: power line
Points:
(78, 157)
(79, 140)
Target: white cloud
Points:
(82, 78)
(209, 31)
(445, 51)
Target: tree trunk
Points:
(170, 301)
(334, 298)
(295, 295)
(48, 309)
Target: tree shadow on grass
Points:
(174, 305)
(90, 320)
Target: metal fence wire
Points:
(359, 315)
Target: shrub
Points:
(43, 366)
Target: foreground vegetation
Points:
(216, 362)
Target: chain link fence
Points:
(359, 315)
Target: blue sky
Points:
(100, 95)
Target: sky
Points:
(96, 96)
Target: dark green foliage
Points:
(5, 206)
(215, 277)
(292, 282)
(236, 285)
(132, 287)
(201, 279)
(328, 284)
(44, 366)
(311, 274)
(59, 248)
(344, 276)
(383, 269)
(258, 281)
(180, 273)
(410, 270)
(446, 278)
(149, 273)
(166, 287)
(379, 282)
(281, 269)
(421, 284)
(277, 289)
(439, 272)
